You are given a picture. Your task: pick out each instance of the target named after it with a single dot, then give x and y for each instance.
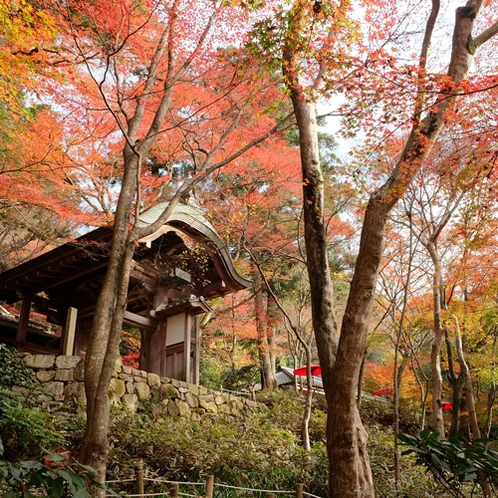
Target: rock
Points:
(143, 390)
(183, 408)
(64, 374)
(45, 375)
(191, 400)
(74, 394)
(153, 379)
(208, 405)
(79, 371)
(117, 387)
(130, 401)
(40, 360)
(66, 362)
(169, 391)
(55, 389)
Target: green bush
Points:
(24, 428)
(51, 478)
(414, 482)
(251, 452)
(210, 372)
(456, 462)
(240, 379)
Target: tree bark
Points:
(469, 393)
(315, 234)
(103, 345)
(456, 381)
(439, 333)
(349, 469)
(268, 379)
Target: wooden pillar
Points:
(22, 326)
(299, 490)
(209, 486)
(139, 482)
(174, 490)
(186, 347)
(196, 350)
(70, 332)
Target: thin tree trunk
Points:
(456, 388)
(439, 333)
(491, 394)
(307, 348)
(268, 380)
(400, 368)
(469, 392)
(305, 422)
(322, 300)
(491, 399)
(103, 345)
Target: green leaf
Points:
(76, 484)
(435, 460)
(31, 465)
(56, 489)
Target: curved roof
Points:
(191, 218)
(78, 266)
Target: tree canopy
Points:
(110, 107)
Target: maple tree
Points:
(25, 28)
(158, 98)
(38, 207)
(377, 75)
(154, 97)
(443, 191)
(257, 215)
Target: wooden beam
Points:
(69, 332)
(139, 321)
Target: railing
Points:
(206, 489)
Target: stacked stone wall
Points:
(62, 380)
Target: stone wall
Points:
(62, 380)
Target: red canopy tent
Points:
(446, 406)
(383, 392)
(315, 371)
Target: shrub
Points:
(51, 478)
(24, 428)
(250, 452)
(457, 463)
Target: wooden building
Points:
(175, 272)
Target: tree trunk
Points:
(346, 444)
(305, 422)
(350, 474)
(268, 380)
(456, 380)
(469, 393)
(439, 333)
(491, 399)
(315, 235)
(399, 369)
(105, 336)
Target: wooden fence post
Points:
(174, 490)
(139, 481)
(209, 486)
(299, 490)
